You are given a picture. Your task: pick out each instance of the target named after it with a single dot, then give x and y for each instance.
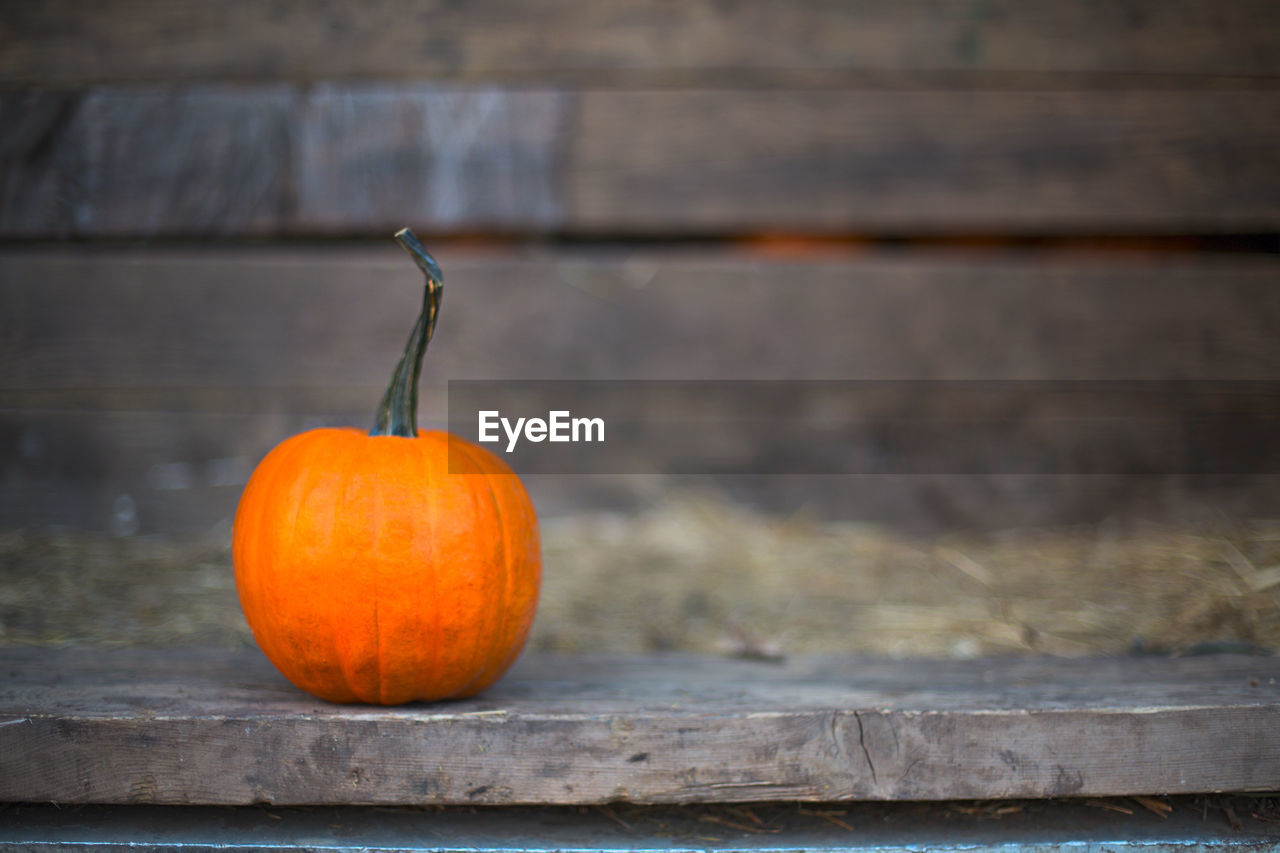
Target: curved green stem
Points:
(398, 411)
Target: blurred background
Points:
(196, 205)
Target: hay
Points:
(695, 572)
(702, 574)
(62, 586)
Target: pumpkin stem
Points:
(398, 411)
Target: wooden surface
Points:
(635, 42)
(366, 158)
(1213, 824)
(142, 119)
(155, 379)
(180, 329)
(98, 725)
(933, 162)
(137, 388)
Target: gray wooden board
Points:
(166, 329)
(82, 725)
(1194, 825)
(224, 160)
(635, 42)
(926, 161)
(280, 159)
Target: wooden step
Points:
(276, 160)
(94, 725)
(1185, 825)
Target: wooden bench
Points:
(133, 726)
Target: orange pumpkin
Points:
(371, 572)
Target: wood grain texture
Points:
(220, 160)
(62, 44)
(370, 159)
(166, 329)
(93, 725)
(929, 161)
(359, 159)
(995, 827)
(116, 163)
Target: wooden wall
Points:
(196, 201)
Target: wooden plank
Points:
(136, 472)
(361, 159)
(875, 161)
(217, 160)
(62, 44)
(150, 162)
(165, 329)
(220, 728)
(1193, 825)
(373, 158)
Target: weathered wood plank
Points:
(136, 472)
(633, 42)
(370, 159)
(91, 725)
(220, 160)
(928, 161)
(152, 162)
(361, 159)
(1194, 825)
(164, 329)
